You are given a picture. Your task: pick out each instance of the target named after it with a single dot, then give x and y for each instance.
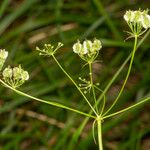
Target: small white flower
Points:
(7, 73)
(132, 16)
(129, 16)
(77, 47)
(83, 51)
(137, 16)
(97, 45)
(3, 54)
(17, 72)
(146, 21)
(25, 75)
(87, 46)
(20, 74)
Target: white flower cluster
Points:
(87, 47)
(137, 19)
(88, 50)
(3, 57)
(15, 76)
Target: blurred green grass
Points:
(25, 24)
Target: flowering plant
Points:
(88, 51)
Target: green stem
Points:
(92, 85)
(127, 76)
(99, 129)
(47, 102)
(121, 68)
(123, 110)
(104, 100)
(74, 84)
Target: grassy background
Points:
(26, 124)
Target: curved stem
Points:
(47, 102)
(121, 68)
(74, 84)
(92, 85)
(127, 76)
(93, 131)
(99, 129)
(123, 110)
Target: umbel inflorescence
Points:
(137, 21)
(49, 49)
(89, 50)
(15, 76)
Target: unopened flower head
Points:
(49, 49)
(3, 57)
(15, 76)
(137, 20)
(88, 50)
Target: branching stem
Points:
(74, 84)
(126, 109)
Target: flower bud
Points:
(60, 44)
(3, 56)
